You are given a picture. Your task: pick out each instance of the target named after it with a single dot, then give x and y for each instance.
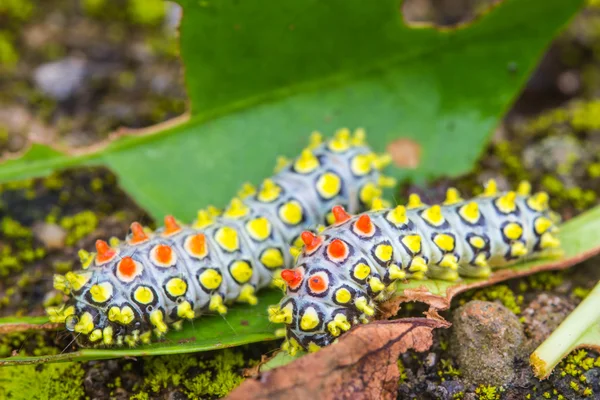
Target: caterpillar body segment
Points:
(346, 270)
(155, 280)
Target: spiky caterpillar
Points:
(351, 266)
(152, 280)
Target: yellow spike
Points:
(59, 314)
(281, 163)
(491, 188)
(247, 190)
(506, 203)
(449, 261)
(539, 201)
(203, 219)
(313, 347)
(247, 295)
(481, 260)
(358, 139)
(146, 337)
(216, 304)
(395, 272)
(295, 252)
(76, 281)
(321, 228)
(114, 241)
(86, 258)
(307, 162)
(184, 310)
(95, 335)
(518, 249)
(418, 264)
(177, 325)
(376, 284)
(414, 201)
(107, 335)
(280, 333)
(156, 319)
(340, 323)
(368, 192)
(85, 324)
(377, 204)
(213, 211)
(543, 224)
(279, 315)
(548, 241)
(397, 216)
(361, 304)
(386, 181)
(60, 283)
(452, 196)
(269, 191)
(291, 346)
(524, 188)
(433, 215)
(381, 161)
(316, 139)
(236, 209)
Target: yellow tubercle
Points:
(86, 258)
(376, 284)
(307, 162)
(381, 161)
(184, 310)
(309, 320)
(291, 346)
(95, 335)
(378, 204)
(313, 347)
(247, 190)
(236, 209)
(146, 337)
(548, 241)
(295, 252)
(247, 295)
(524, 188)
(395, 272)
(177, 325)
(449, 261)
(490, 188)
(157, 319)
(281, 163)
(433, 215)
(203, 219)
(315, 140)
(216, 304)
(386, 181)
(359, 137)
(414, 201)
(506, 203)
(279, 315)
(60, 283)
(452, 196)
(397, 216)
(418, 264)
(362, 305)
(60, 313)
(76, 281)
(368, 193)
(107, 335)
(481, 260)
(518, 249)
(85, 324)
(269, 191)
(538, 202)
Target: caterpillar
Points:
(151, 281)
(343, 272)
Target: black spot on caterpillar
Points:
(151, 281)
(343, 273)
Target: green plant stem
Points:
(580, 329)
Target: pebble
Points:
(51, 235)
(486, 340)
(61, 79)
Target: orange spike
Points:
(340, 214)
(308, 237)
(292, 277)
(337, 249)
(137, 233)
(127, 266)
(171, 226)
(105, 252)
(164, 253)
(364, 224)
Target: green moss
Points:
(402, 371)
(8, 53)
(546, 280)
(79, 226)
(16, 9)
(146, 12)
(487, 392)
(49, 381)
(14, 230)
(93, 7)
(503, 294)
(447, 370)
(213, 377)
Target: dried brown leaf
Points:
(362, 365)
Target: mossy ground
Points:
(555, 146)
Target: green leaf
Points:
(241, 325)
(261, 78)
(580, 329)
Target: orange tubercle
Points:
(310, 240)
(317, 284)
(171, 225)
(340, 214)
(198, 244)
(364, 225)
(164, 253)
(137, 233)
(337, 249)
(292, 277)
(127, 267)
(105, 253)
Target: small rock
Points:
(60, 79)
(486, 339)
(51, 235)
(542, 316)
